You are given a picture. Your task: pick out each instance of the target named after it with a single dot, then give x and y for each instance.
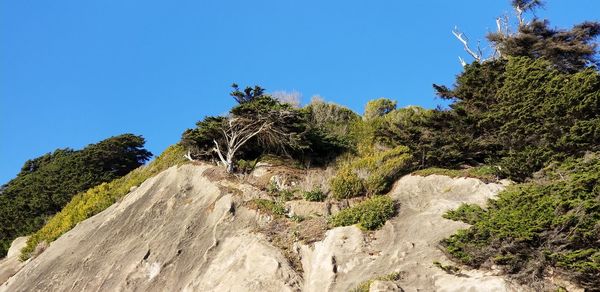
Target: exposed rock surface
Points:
(407, 244)
(178, 231)
(187, 230)
(11, 264)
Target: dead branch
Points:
(465, 41)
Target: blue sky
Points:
(75, 72)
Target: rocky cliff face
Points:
(191, 229)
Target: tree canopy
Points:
(47, 183)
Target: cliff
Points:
(193, 228)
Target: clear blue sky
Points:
(75, 72)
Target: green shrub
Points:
(346, 184)
(268, 206)
(386, 167)
(551, 221)
(285, 195)
(450, 269)
(369, 214)
(315, 196)
(373, 173)
(246, 166)
(485, 173)
(98, 198)
(466, 213)
(379, 108)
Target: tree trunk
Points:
(229, 162)
(229, 167)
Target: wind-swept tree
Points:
(246, 95)
(568, 50)
(259, 123)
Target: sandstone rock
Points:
(184, 231)
(176, 232)
(306, 208)
(11, 264)
(16, 246)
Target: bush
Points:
(379, 108)
(369, 214)
(328, 134)
(268, 206)
(93, 201)
(552, 221)
(373, 173)
(315, 196)
(246, 166)
(346, 184)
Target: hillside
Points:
(497, 191)
(191, 228)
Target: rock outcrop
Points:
(11, 264)
(407, 244)
(188, 229)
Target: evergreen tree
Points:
(47, 183)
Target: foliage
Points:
(317, 133)
(450, 269)
(516, 114)
(406, 126)
(346, 184)
(246, 166)
(364, 286)
(379, 108)
(552, 221)
(315, 196)
(333, 118)
(370, 214)
(47, 183)
(247, 95)
(373, 173)
(328, 132)
(258, 125)
(98, 198)
(568, 50)
(268, 206)
(484, 173)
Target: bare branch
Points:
(188, 155)
(218, 150)
(465, 41)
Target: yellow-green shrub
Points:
(346, 184)
(98, 198)
(372, 173)
(369, 214)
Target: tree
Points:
(518, 113)
(270, 126)
(568, 50)
(47, 183)
(522, 6)
(379, 107)
(247, 95)
(238, 130)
